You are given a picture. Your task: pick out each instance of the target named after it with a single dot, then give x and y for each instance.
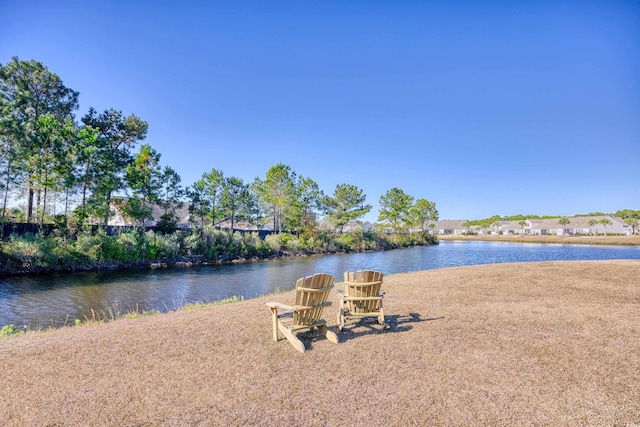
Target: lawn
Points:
(551, 343)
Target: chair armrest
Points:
(280, 306)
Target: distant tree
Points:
(605, 222)
(346, 204)
(432, 226)
(467, 225)
(633, 223)
(592, 224)
(395, 206)
(522, 224)
(424, 211)
(630, 217)
(564, 221)
(496, 224)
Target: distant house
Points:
(577, 225)
(581, 225)
(456, 227)
(325, 225)
(118, 218)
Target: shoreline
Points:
(577, 240)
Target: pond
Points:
(59, 299)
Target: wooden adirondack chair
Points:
(311, 298)
(362, 296)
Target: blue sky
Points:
(486, 108)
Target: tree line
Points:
(71, 170)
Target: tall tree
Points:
(276, 192)
(169, 199)
(51, 162)
(199, 205)
(28, 91)
(346, 204)
(117, 135)
(234, 196)
(253, 207)
(144, 180)
(9, 170)
(424, 211)
(213, 184)
(306, 204)
(395, 206)
(87, 155)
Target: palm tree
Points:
(522, 224)
(564, 221)
(605, 222)
(633, 222)
(497, 225)
(592, 223)
(466, 226)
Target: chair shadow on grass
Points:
(369, 325)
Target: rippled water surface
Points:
(59, 298)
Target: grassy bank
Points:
(95, 250)
(580, 240)
(551, 343)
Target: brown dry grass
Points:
(583, 240)
(553, 343)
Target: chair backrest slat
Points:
(312, 292)
(363, 283)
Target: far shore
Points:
(578, 240)
(544, 343)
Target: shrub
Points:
(24, 251)
(345, 242)
(128, 248)
(9, 330)
(90, 245)
(274, 242)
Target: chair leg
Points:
(382, 322)
(274, 320)
(331, 336)
(340, 320)
(293, 339)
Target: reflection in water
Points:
(59, 298)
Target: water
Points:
(61, 298)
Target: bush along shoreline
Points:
(95, 250)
